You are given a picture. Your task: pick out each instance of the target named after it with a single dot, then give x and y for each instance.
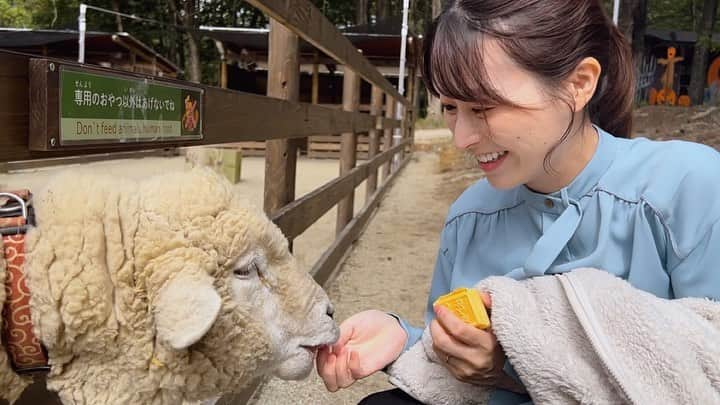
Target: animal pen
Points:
(31, 125)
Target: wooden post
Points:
(414, 103)
(222, 51)
(283, 82)
(410, 110)
(376, 103)
(223, 74)
(348, 145)
(315, 80)
(407, 110)
(389, 113)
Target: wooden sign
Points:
(76, 107)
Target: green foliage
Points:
(54, 14)
(672, 14)
(171, 42)
(14, 14)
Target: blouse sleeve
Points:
(698, 274)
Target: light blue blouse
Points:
(646, 211)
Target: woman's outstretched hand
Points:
(472, 355)
(369, 341)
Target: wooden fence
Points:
(29, 127)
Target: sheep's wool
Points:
(101, 252)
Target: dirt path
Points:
(389, 269)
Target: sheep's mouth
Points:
(311, 349)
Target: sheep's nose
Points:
(330, 311)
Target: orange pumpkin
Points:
(670, 97)
(660, 98)
(652, 97)
(684, 101)
(714, 72)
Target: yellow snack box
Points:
(467, 305)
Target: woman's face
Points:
(510, 142)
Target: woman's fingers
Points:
(326, 368)
(461, 331)
(343, 374)
(354, 366)
(486, 299)
(443, 343)
(346, 332)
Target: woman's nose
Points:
(466, 133)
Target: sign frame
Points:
(45, 110)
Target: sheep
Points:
(204, 156)
(163, 291)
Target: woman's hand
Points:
(368, 342)
(472, 355)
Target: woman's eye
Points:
(247, 270)
(481, 110)
(448, 107)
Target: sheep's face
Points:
(295, 310)
(242, 263)
(238, 266)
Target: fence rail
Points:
(231, 116)
(29, 127)
(305, 20)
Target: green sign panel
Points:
(104, 108)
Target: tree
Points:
(361, 14)
(632, 22)
(188, 16)
(14, 14)
(706, 12)
(640, 21)
(118, 19)
(382, 9)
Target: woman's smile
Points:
(491, 161)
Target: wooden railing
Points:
(232, 116)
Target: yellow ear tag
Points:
(467, 305)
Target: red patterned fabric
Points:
(23, 346)
(11, 222)
(24, 194)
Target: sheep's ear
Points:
(185, 309)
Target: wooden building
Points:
(658, 41)
(244, 54)
(118, 50)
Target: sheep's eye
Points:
(247, 270)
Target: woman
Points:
(541, 93)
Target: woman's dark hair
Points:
(548, 38)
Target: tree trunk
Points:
(382, 9)
(639, 29)
(626, 18)
(175, 42)
(704, 27)
(361, 13)
(192, 66)
(118, 19)
(434, 108)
